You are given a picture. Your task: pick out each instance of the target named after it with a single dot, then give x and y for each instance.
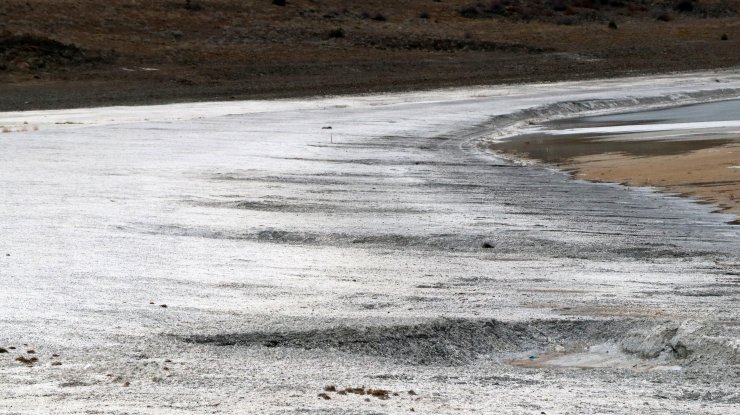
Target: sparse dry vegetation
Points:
(582, 11)
(165, 50)
(27, 361)
(381, 394)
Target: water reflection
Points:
(561, 148)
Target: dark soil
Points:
(567, 12)
(35, 53)
(73, 53)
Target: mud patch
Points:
(615, 343)
(606, 355)
(666, 346)
(446, 341)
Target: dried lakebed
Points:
(247, 258)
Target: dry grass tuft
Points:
(26, 360)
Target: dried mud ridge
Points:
(461, 341)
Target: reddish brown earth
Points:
(67, 53)
(708, 170)
(710, 174)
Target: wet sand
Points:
(702, 163)
(711, 174)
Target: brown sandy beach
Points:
(710, 174)
(703, 164)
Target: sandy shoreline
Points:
(709, 174)
(696, 156)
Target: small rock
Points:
(26, 360)
(411, 392)
(330, 388)
(56, 363)
(379, 393)
(126, 384)
(3, 350)
(163, 305)
(31, 351)
(324, 396)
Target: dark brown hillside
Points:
(57, 53)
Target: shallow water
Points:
(560, 149)
(686, 130)
(707, 112)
